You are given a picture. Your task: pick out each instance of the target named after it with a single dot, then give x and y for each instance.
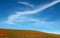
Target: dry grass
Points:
(25, 34)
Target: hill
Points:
(10, 33)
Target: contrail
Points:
(40, 8)
(58, 0)
(20, 15)
(45, 7)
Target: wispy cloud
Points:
(21, 16)
(26, 3)
(43, 23)
(41, 8)
(58, 0)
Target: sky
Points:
(40, 15)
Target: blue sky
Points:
(41, 15)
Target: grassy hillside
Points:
(8, 33)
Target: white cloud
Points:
(58, 0)
(42, 7)
(26, 3)
(42, 23)
(21, 16)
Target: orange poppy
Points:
(3, 34)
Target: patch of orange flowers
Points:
(3, 34)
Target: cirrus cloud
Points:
(26, 3)
(21, 16)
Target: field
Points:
(10, 33)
